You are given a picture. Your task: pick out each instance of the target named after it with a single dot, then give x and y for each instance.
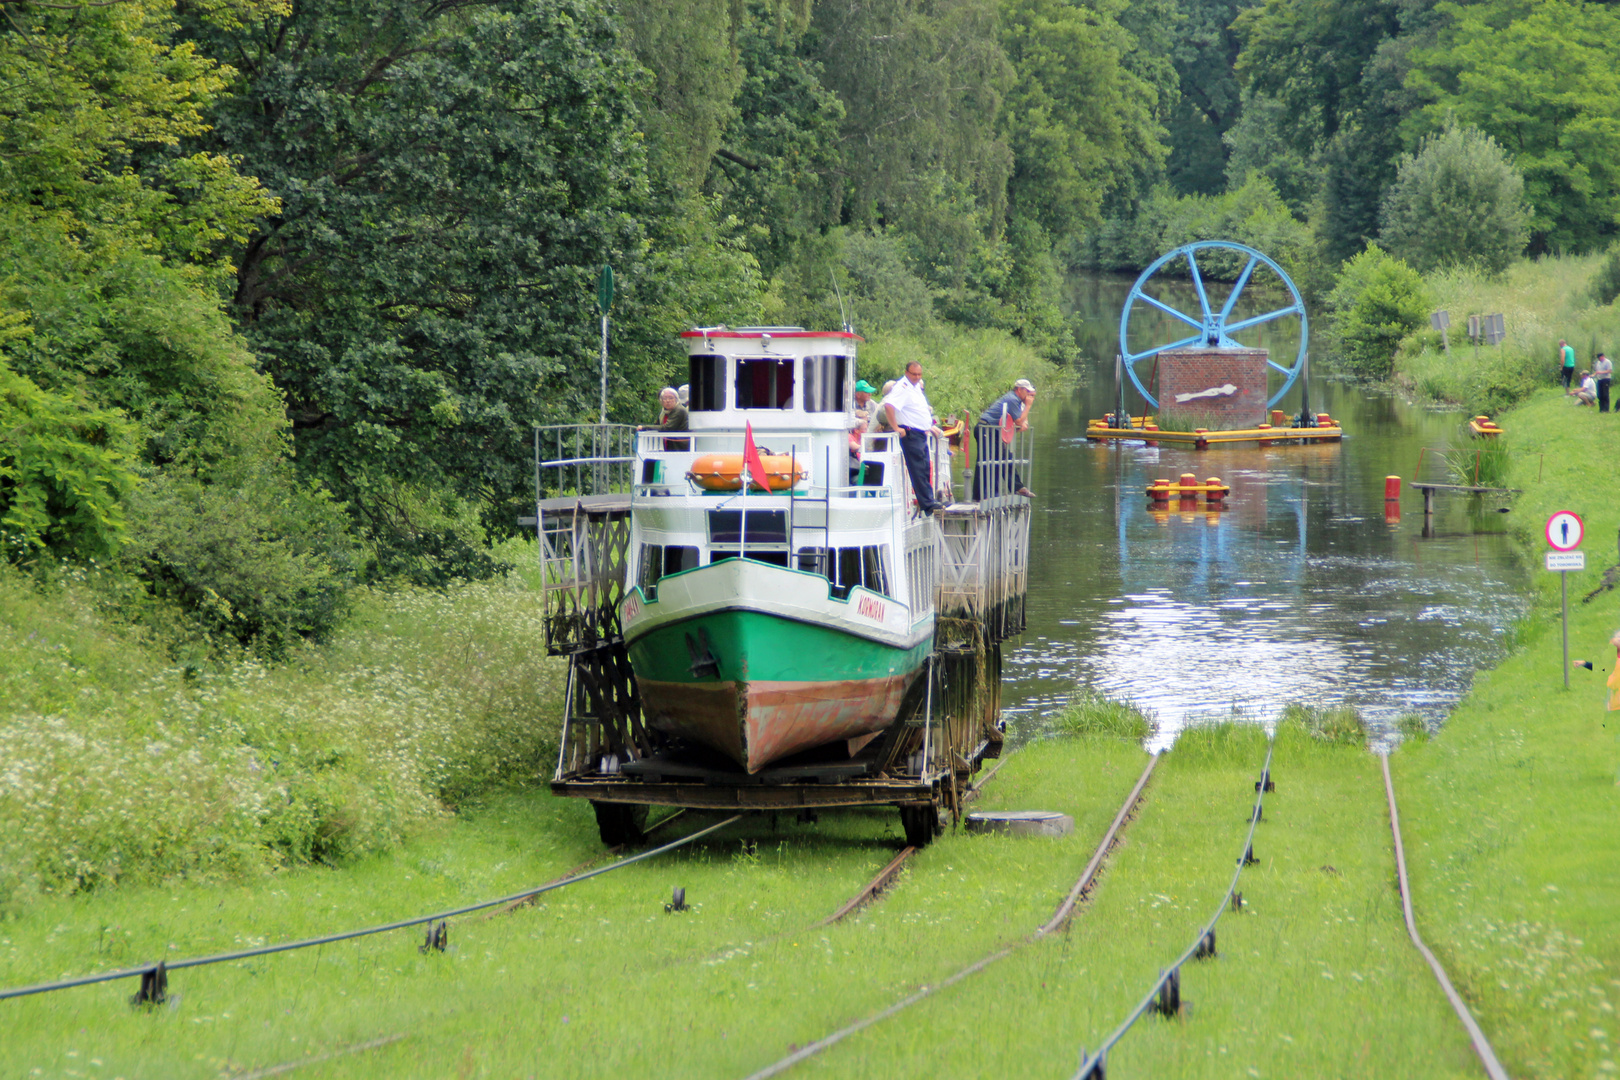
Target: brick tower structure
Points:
(1226, 385)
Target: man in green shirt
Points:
(1566, 356)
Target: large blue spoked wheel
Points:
(1212, 327)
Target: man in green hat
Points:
(863, 399)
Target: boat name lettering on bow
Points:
(871, 608)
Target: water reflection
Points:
(1298, 592)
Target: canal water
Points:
(1300, 591)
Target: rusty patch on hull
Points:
(756, 723)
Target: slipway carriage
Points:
(790, 638)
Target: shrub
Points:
(1459, 200)
(1091, 714)
(1377, 301)
(1340, 725)
(261, 565)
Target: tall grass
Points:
(116, 764)
(1478, 466)
(1541, 301)
(1091, 714)
(1181, 419)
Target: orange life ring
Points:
(723, 472)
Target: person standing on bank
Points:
(906, 408)
(999, 473)
(1602, 372)
(1566, 358)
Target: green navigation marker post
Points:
(604, 301)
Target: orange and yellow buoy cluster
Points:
(1483, 427)
(1213, 491)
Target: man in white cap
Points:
(995, 473)
(906, 409)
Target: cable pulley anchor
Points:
(1168, 1003)
(1092, 1068)
(1249, 857)
(154, 987)
(1206, 947)
(1264, 783)
(438, 937)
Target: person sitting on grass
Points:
(1586, 392)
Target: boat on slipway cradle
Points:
(756, 618)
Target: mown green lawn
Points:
(1512, 814)
(1314, 978)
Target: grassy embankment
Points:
(1541, 302)
(117, 765)
(1314, 978)
(1510, 812)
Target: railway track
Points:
(1165, 993)
(1058, 921)
(1476, 1036)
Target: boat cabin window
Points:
(763, 527)
(706, 383)
(764, 384)
(825, 388)
(845, 568)
(658, 561)
(775, 557)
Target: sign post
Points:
(1564, 533)
(604, 301)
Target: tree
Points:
(1539, 77)
(1457, 200)
(1337, 70)
(115, 238)
(690, 49)
(453, 176)
(1080, 122)
(922, 83)
(64, 473)
(1210, 101)
(779, 167)
(1377, 302)
(1256, 146)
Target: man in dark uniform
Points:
(995, 473)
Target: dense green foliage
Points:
(119, 765)
(1377, 302)
(1458, 200)
(1541, 301)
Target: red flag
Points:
(1006, 425)
(751, 459)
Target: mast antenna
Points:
(843, 315)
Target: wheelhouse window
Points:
(761, 527)
(826, 386)
(845, 568)
(659, 561)
(764, 384)
(706, 383)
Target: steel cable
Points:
(1091, 1065)
(243, 954)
